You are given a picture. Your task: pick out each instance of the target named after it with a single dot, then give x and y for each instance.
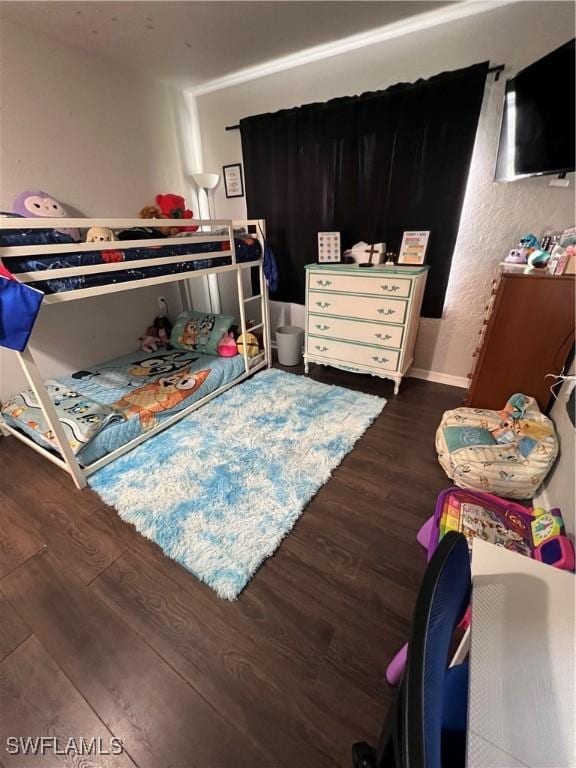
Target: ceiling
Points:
(186, 44)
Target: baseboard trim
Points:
(438, 377)
(422, 373)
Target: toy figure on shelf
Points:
(519, 255)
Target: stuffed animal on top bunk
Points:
(35, 204)
(169, 206)
(157, 336)
(100, 235)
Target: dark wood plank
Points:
(19, 539)
(50, 483)
(245, 679)
(13, 631)
(86, 545)
(159, 718)
(37, 700)
(260, 613)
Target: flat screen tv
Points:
(538, 133)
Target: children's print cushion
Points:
(508, 452)
(199, 331)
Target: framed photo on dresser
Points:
(413, 248)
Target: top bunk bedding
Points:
(248, 249)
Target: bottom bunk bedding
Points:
(110, 404)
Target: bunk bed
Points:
(92, 417)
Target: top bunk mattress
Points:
(247, 249)
(110, 404)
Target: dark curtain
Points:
(370, 167)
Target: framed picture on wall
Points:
(413, 248)
(233, 183)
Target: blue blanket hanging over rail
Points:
(19, 307)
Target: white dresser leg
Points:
(306, 366)
(397, 386)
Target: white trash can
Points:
(289, 344)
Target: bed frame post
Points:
(265, 298)
(240, 298)
(36, 382)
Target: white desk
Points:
(522, 673)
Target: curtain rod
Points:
(496, 69)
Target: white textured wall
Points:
(494, 215)
(101, 141)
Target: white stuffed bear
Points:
(100, 235)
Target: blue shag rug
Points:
(219, 490)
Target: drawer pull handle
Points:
(322, 304)
(383, 336)
(323, 327)
(386, 311)
(380, 359)
(321, 349)
(324, 283)
(390, 288)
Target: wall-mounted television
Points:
(538, 130)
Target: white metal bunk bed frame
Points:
(67, 459)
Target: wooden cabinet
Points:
(363, 320)
(528, 333)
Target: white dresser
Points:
(363, 320)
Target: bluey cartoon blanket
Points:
(126, 397)
(81, 417)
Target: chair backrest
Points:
(442, 600)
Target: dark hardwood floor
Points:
(102, 636)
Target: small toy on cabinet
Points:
(227, 346)
(538, 258)
(515, 256)
(100, 235)
(528, 243)
(157, 336)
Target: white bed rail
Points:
(255, 228)
(203, 235)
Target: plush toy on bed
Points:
(33, 203)
(100, 235)
(227, 346)
(169, 207)
(157, 336)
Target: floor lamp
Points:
(208, 182)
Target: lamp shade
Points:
(206, 180)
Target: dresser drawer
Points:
(365, 308)
(377, 285)
(356, 330)
(345, 352)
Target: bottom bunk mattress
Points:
(108, 405)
